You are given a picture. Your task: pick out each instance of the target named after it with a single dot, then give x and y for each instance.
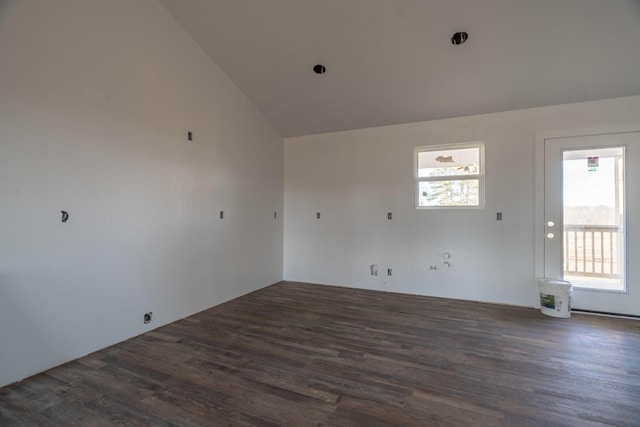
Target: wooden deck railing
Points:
(592, 251)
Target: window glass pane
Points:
(449, 193)
(460, 161)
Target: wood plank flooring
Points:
(307, 355)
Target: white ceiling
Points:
(391, 61)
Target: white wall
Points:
(354, 178)
(96, 98)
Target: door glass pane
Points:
(593, 224)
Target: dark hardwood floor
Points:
(307, 355)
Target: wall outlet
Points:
(148, 317)
(389, 271)
(374, 269)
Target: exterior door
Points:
(592, 219)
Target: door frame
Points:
(539, 228)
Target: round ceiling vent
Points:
(459, 38)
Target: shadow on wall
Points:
(5, 8)
(21, 326)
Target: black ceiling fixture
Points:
(459, 38)
(319, 69)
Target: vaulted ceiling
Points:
(392, 61)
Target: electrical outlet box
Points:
(148, 317)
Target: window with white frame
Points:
(449, 176)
